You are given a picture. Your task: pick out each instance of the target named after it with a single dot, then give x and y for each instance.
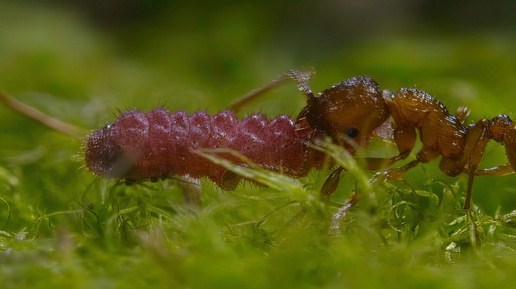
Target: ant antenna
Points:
(302, 77)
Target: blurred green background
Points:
(83, 61)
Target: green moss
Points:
(61, 227)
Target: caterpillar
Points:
(159, 144)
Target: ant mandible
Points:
(354, 108)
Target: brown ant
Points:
(354, 108)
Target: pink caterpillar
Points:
(160, 144)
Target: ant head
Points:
(351, 109)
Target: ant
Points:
(354, 108)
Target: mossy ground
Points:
(62, 227)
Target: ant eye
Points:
(352, 133)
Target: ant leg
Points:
(510, 145)
(394, 174)
(506, 169)
(405, 140)
(474, 147)
(331, 183)
(302, 78)
(427, 154)
(376, 164)
(502, 170)
(473, 232)
(343, 211)
(476, 142)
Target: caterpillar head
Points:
(115, 150)
(105, 156)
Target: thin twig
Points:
(39, 116)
